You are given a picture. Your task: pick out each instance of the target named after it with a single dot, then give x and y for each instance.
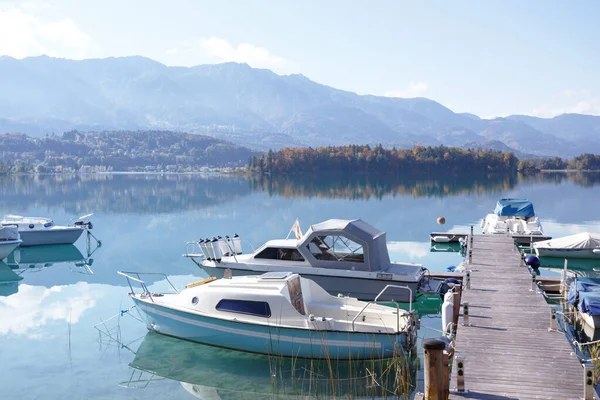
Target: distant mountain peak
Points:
(255, 107)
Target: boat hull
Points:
(361, 288)
(7, 247)
(566, 253)
(50, 236)
(269, 339)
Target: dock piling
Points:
(434, 369)
(533, 283)
(553, 321)
(456, 309)
(468, 280)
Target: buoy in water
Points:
(441, 220)
(532, 261)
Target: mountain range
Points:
(256, 108)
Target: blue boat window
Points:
(258, 308)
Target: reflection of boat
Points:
(580, 266)
(214, 373)
(342, 256)
(9, 240)
(580, 245)
(38, 257)
(9, 281)
(36, 231)
(279, 314)
(584, 296)
(514, 216)
(446, 247)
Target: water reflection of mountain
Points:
(119, 193)
(213, 373)
(354, 187)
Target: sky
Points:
(491, 58)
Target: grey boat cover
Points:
(372, 239)
(9, 233)
(584, 240)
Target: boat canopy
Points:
(347, 244)
(514, 208)
(584, 293)
(584, 240)
(9, 233)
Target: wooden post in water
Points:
(445, 375)
(456, 307)
(433, 369)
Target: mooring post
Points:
(460, 374)
(533, 282)
(456, 309)
(434, 369)
(470, 256)
(466, 314)
(522, 261)
(468, 279)
(563, 281)
(553, 321)
(588, 381)
(445, 375)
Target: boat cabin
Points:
(334, 244)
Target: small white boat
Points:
(9, 240)
(38, 231)
(580, 245)
(280, 314)
(342, 256)
(512, 216)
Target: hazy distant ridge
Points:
(255, 107)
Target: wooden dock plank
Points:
(509, 351)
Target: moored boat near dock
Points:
(512, 216)
(342, 256)
(279, 314)
(580, 245)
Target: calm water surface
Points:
(51, 299)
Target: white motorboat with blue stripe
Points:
(39, 231)
(279, 314)
(9, 240)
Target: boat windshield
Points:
(336, 248)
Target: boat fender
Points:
(596, 251)
(532, 261)
(447, 310)
(201, 282)
(441, 239)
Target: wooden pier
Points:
(508, 350)
(456, 237)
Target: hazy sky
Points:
(491, 58)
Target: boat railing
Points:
(375, 301)
(142, 284)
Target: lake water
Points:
(52, 299)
